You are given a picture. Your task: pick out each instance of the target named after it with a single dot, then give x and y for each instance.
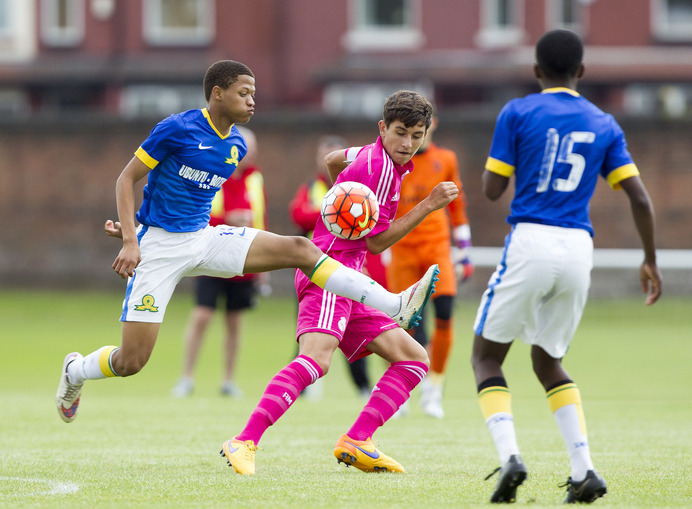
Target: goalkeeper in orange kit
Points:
(444, 237)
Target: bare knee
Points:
(306, 253)
(318, 347)
(421, 355)
(127, 365)
(548, 370)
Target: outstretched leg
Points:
(269, 251)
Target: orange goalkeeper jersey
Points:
(433, 166)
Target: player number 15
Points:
(564, 155)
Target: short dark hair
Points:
(559, 53)
(409, 107)
(223, 74)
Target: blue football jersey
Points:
(189, 161)
(557, 143)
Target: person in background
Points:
(305, 210)
(240, 202)
(444, 237)
(556, 144)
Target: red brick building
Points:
(83, 81)
(145, 57)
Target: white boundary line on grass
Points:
(52, 487)
(602, 258)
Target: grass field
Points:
(135, 446)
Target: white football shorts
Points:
(538, 291)
(218, 251)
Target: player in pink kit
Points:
(327, 322)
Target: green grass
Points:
(134, 446)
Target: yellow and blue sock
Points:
(565, 403)
(495, 401)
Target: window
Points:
(62, 22)
(17, 30)
(566, 14)
(501, 23)
(178, 22)
(672, 19)
(158, 100)
(5, 20)
(365, 99)
(384, 25)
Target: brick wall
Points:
(57, 188)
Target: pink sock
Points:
(279, 395)
(391, 391)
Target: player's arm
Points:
(643, 214)
(494, 184)
(439, 197)
(336, 162)
(129, 256)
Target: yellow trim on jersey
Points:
(105, 361)
(564, 395)
(217, 205)
(495, 400)
(316, 193)
(255, 188)
(623, 172)
(325, 267)
(555, 90)
(499, 167)
(142, 155)
(205, 112)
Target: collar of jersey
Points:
(556, 90)
(205, 112)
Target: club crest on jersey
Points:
(147, 304)
(234, 156)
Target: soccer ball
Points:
(350, 210)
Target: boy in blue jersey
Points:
(186, 158)
(557, 144)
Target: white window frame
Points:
(494, 35)
(363, 36)
(365, 99)
(555, 16)
(665, 31)
(157, 35)
(7, 30)
(18, 41)
(54, 35)
(155, 100)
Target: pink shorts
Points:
(352, 323)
